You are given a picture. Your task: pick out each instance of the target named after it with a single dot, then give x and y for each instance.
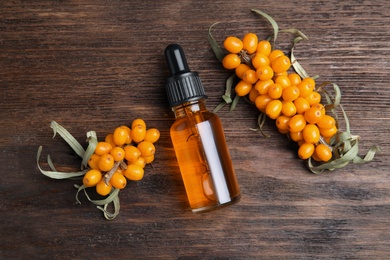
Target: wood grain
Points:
(94, 65)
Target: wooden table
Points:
(95, 65)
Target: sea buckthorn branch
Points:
(261, 75)
(108, 165)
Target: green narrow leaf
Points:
(229, 88)
(369, 156)
(339, 162)
(296, 32)
(76, 146)
(234, 103)
(271, 21)
(92, 140)
(102, 202)
(294, 62)
(51, 164)
(228, 92)
(56, 174)
(260, 122)
(108, 215)
(218, 51)
(220, 105)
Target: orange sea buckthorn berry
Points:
(296, 136)
(93, 161)
(103, 148)
(313, 115)
(134, 172)
(282, 123)
(118, 181)
(283, 80)
(274, 108)
(295, 79)
(138, 133)
(233, 44)
(102, 188)
(264, 47)
(260, 60)
(262, 101)
(109, 139)
(231, 61)
(275, 91)
(128, 135)
(253, 94)
(320, 107)
(118, 153)
(120, 135)
(311, 134)
(281, 64)
(288, 108)
(262, 86)
(275, 54)
(323, 152)
(290, 93)
(326, 122)
(250, 77)
(241, 69)
(149, 159)
(310, 81)
(297, 123)
(313, 98)
(131, 153)
(106, 162)
(141, 162)
(92, 177)
(146, 148)
(301, 104)
(315, 157)
(305, 89)
(243, 88)
(264, 73)
(328, 132)
(250, 42)
(152, 135)
(306, 150)
(138, 121)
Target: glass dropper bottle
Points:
(198, 139)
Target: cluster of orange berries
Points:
(121, 156)
(282, 95)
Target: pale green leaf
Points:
(92, 143)
(108, 215)
(218, 50)
(73, 143)
(294, 62)
(56, 174)
(296, 32)
(260, 123)
(102, 202)
(234, 103)
(369, 156)
(271, 21)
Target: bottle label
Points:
(214, 162)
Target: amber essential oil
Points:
(198, 139)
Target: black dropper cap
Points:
(182, 85)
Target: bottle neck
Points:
(189, 107)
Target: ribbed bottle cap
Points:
(182, 85)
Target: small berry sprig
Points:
(282, 90)
(108, 165)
